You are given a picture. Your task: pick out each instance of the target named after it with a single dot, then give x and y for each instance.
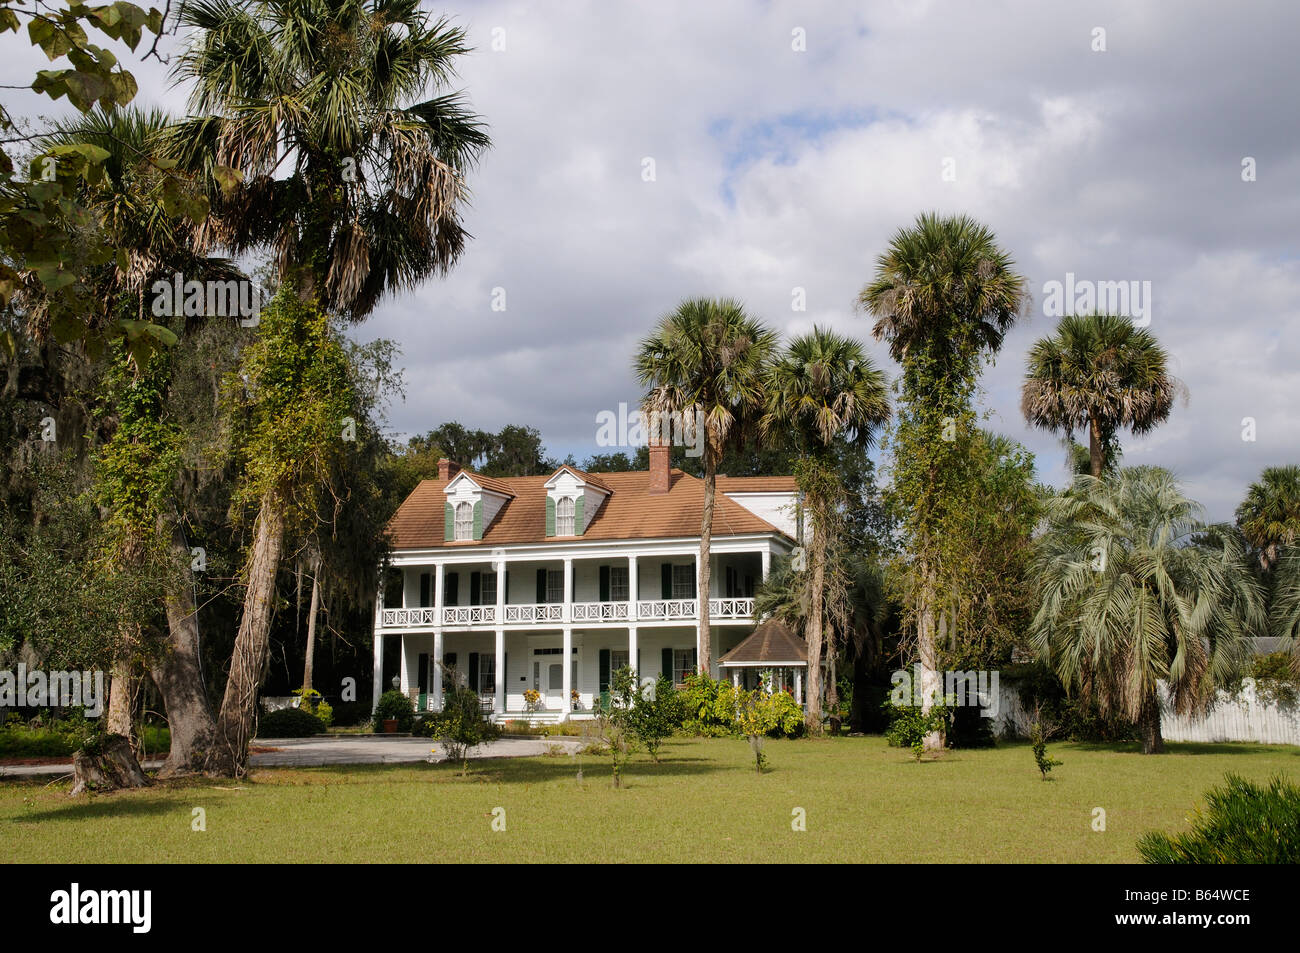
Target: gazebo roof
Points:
(772, 643)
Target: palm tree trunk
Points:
(1149, 725)
(706, 544)
(928, 651)
(813, 709)
(1096, 451)
(311, 625)
(229, 754)
(179, 674)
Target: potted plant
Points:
(575, 698)
(394, 713)
(532, 699)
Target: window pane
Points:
(681, 664)
(564, 517)
(555, 585)
(618, 582)
(683, 582)
(557, 678)
(464, 521)
(488, 589)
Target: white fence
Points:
(1240, 717)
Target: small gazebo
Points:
(772, 656)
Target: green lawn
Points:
(864, 801)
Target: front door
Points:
(548, 679)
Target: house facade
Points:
(534, 590)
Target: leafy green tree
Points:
(1269, 516)
(822, 387)
(1099, 372)
(355, 182)
(944, 296)
(706, 362)
(1130, 595)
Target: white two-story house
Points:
(550, 584)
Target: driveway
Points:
(341, 749)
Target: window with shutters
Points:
(682, 665)
(464, 521)
(488, 589)
(555, 585)
(618, 583)
(564, 516)
(618, 658)
(487, 675)
(683, 582)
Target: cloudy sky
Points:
(790, 141)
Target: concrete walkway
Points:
(340, 749)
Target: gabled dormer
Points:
(473, 502)
(573, 499)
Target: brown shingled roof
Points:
(771, 642)
(629, 512)
(585, 477)
(759, 484)
(488, 483)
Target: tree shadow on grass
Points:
(1190, 747)
(99, 807)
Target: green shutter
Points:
(473, 672)
(550, 515)
(422, 676)
(666, 664)
(449, 519)
(604, 584)
(541, 585)
(577, 516)
(505, 586)
(451, 589)
(666, 580)
(425, 580)
(604, 671)
(475, 588)
(478, 519)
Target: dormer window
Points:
(564, 516)
(464, 521)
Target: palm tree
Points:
(314, 124)
(706, 362)
(1284, 607)
(823, 387)
(1269, 516)
(944, 296)
(1134, 589)
(1099, 373)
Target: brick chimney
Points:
(447, 470)
(659, 476)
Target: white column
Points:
(500, 567)
(567, 602)
(632, 654)
(699, 653)
(767, 561)
(436, 687)
(735, 677)
(437, 595)
(378, 688)
(401, 652)
(566, 705)
(798, 686)
(633, 590)
(500, 665)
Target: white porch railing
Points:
(648, 610)
(535, 612)
(409, 617)
(600, 611)
(468, 615)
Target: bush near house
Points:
(710, 709)
(394, 704)
(909, 726)
(289, 723)
(1041, 690)
(1241, 823)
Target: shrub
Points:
(289, 723)
(651, 716)
(1275, 679)
(1038, 738)
(756, 718)
(1040, 690)
(909, 726)
(710, 708)
(394, 704)
(312, 701)
(1242, 823)
(462, 726)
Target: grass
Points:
(863, 800)
(22, 742)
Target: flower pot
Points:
(390, 726)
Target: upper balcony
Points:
(552, 614)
